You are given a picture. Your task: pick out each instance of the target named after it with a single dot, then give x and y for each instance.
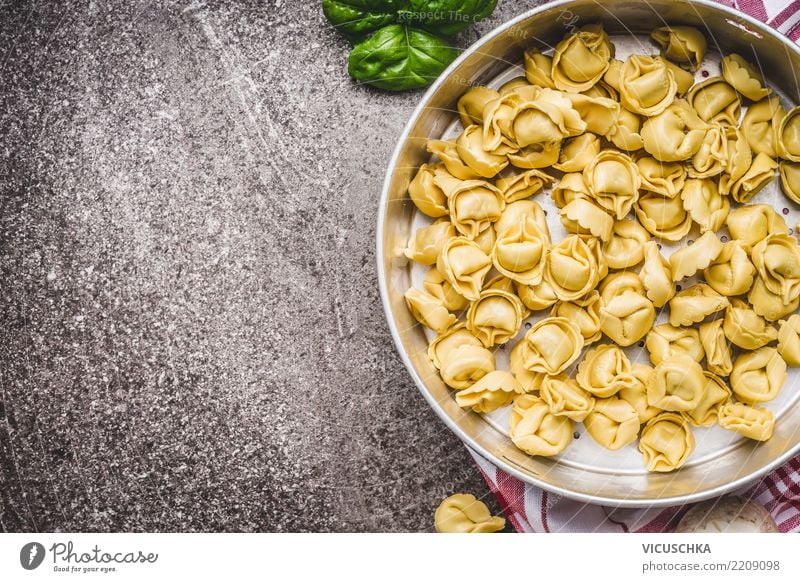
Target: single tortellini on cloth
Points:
(712, 157)
(469, 146)
(777, 262)
(745, 328)
(790, 180)
(647, 85)
(522, 185)
(570, 187)
(715, 395)
(665, 341)
(495, 317)
(758, 376)
(428, 310)
(530, 381)
(585, 313)
(494, 390)
(537, 431)
(789, 136)
(627, 133)
(462, 513)
(522, 208)
(613, 423)
(706, 206)
(656, 275)
(465, 364)
(731, 273)
(605, 371)
(667, 442)
(426, 195)
(663, 217)
(694, 304)
(625, 247)
(472, 103)
(451, 339)
(760, 173)
(538, 68)
(767, 304)
(675, 134)
(520, 250)
(789, 341)
(754, 422)
(536, 297)
(600, 114)
(571, 268)
(613, 181)
(744, 77)
(581, 59)
(684, 45)
(547, 119)
(578, 152)
(536, 156)
(752, 223)
(715, 101)
(627, 317)
(439, 287)
(474, 204)
(464, 265)
(427, 242)
(695, 257)
(636, 395)
(676, 384)
(760, 124)
(716, 347)
(665, 178)
(585, 216)
(448, 155)
(566, 398)
(552, 344)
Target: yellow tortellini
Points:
(519, 251)
(427, 242)
(613, 423)
(716, 347)
(715, 101)
(566, 398)
(715, 395)
(665, 341)
(570, 187)
(536, 430)
(666, 443)
(474, 204)
(744, 77)
(767, 304)
(600, 114)
(495, 389)
(522, 209)
(712, 157)
(789, 341)
(585, 313)
(452, 162)
(745, 328)
(627, 133)
(626, 318)
(760, 123)
(694, 304)
(552, 345)
(665, 178)
(426, 195)
(663, 217)
(572, 268)
(585, 216)
(439, 287)
(705, 205)
(523, 185)
(684, 45)
(605, 371)
(577, 152)
(618, 283)
(675, 134)
(613, 181)
(538, 68)
(758, 376)
(656, 275)
(495, 317)
(536, 155)
(760, 173)
(472, 103)
(462, 513)
(469, 147)
(636, 394)
(753, 422)
(625, 247)
(465, 364)
(451, 339)
(646, 85)
(464, 265)
(429, 310)
(739, 159)
(536, 297)
(788, 136)
(731, 273)
(777, 262)
(790, 180)
(581, 59)
(548, 118)
(686, 261)
(676, 384)
(752, 223)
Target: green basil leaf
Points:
(397, 58)
(358, 17)
(448, 17)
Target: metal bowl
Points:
(595, 476)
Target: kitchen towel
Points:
(531, 509)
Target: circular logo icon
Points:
(31, 555)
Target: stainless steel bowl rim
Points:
(451, 424)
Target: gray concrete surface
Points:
(190, 330)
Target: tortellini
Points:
(712, 157)
(666, 443)
(665, 178)
(716, 347)
(474, 204)
(519, 251)
(605, 371)
(731, 272)
(790, 180)
(613, 423)
(788, 136)
(789, 341)
(646, 85)
(515, 211)
(495, 317)
(566, 398)
(676, 384)
(636, 394)
(758, 376)
(570, 187)
(426, 195)
(745, 328)
(549, 118)
(625, 247)
(627, 133)
(536, 430)
(767, 304)
(552, 345)
(572, 268)
(656, 275)
(495, 389)
(715, 395)
(686, 261)
(627, 317)
(675, 134)
(715, 101)
(694, 304)
(752, 223)
(598, 113)
(530, 381)
(578, 152)
(760, 173)
(523, 185)
(760, 124)
(538, 68)
(705, 205)
(448, 155)
(465, 364)
(462, 513)
(536, 297)
(743, 77)
(585, 313)
(663, 217)
(584, 216)
(580, 60)
(429, 310)
(469, 147)
(427, 242)
(439, 287)
(464, 265)
(613, 181)
(665, 340)
(777, 262)
(451, 339)
(684, 45)
(753, 422)
(471, 104)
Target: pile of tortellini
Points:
(637, 154)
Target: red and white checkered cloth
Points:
(531, 509)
